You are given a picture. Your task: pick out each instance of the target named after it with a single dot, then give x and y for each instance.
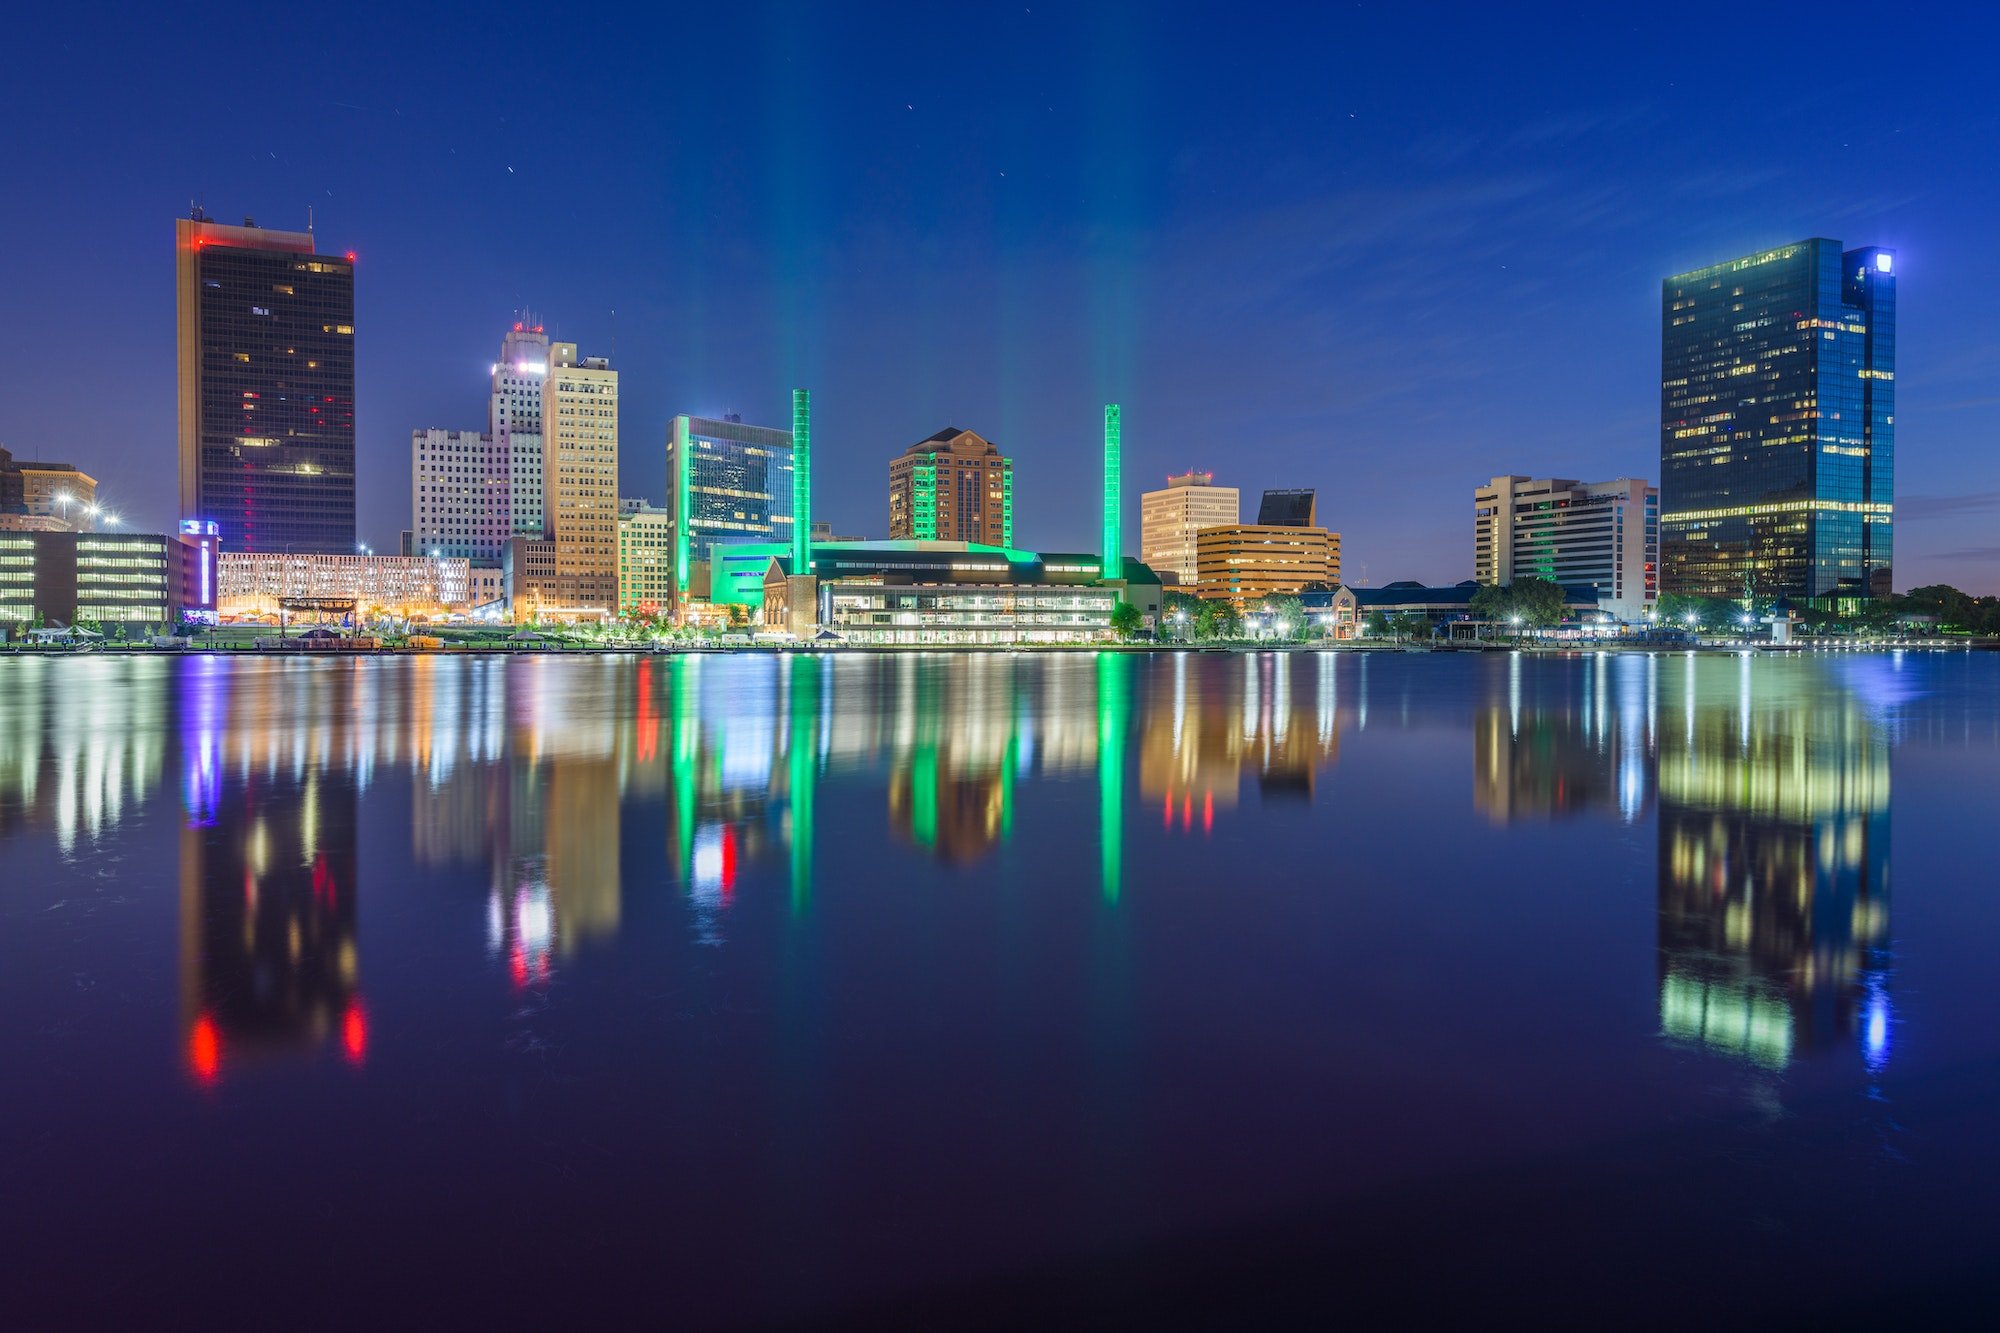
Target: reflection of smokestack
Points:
(1114, 566)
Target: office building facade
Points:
(1170, 518)
(953, 487)
(266, 373)
(253, 583)
(1604, 533)
(1777, 425)
(1284, 551)
(514, 420)
(580, 477)
(461, 482)
(114, 580)
(733, 482)
(45, 497)
(645, 559)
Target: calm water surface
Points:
(735, 990)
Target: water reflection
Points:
(1774, 868)
(1581, 742)
(1770, 780)
(268, 871)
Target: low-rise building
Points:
(935, 592)
(255, 583)
(125, 580)
(1343, 611)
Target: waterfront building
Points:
(937, 592)
(45, 497)
(734, 482)
(266, 370)
(1242, 563)
(460, 482)
(580, 477)
(514, 420)
(645, 558)
(124, 581)
(952, 487)
(1777, 425)
(1170, 518)
(1603, 533)
(1343, 610)
(255, 583)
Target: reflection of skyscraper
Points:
(1588, 751)
(951, 781)
(1774, 867)
(268, 886)
(1279, 725)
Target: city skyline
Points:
(1282, 312)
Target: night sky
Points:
(1382, 250)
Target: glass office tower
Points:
(732, 482)
(1778, 425)
(266, 387)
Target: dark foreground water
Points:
(995, 989)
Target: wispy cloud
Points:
(1920, 507)
(1974, 553)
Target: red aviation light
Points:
(350, 256)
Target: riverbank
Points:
(507, 649)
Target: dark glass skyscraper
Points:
(1778, 425)
(266, 387)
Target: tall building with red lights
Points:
(266, 338)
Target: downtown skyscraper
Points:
(514, 419)
(266, 378)
(1778, 425)
(580, 477)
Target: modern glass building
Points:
(266, 361)
(734, 483)
(1778, 423)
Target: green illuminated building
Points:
(953, 487)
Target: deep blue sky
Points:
(1384, 250)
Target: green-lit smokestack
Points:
(682, 519)
(1114, 564)
(802, 482)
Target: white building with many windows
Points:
(460, 487)
(1600, 534)
(1170, 518)
(514, 419)
(252, 583)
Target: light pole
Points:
(1516, 622)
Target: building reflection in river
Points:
(1569, 744)
(268, 869)
(1774, 865)
(1274, 717)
